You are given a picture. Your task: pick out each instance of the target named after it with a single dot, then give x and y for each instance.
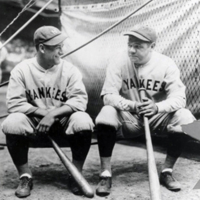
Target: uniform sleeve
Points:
(112, 99)
(16, 97)
(175, 91)
(76, 92)
(113, 80)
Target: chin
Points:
(133, 59)
(57, 62)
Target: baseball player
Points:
(46, 95)
(141, 67)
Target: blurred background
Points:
(21, 46)
(178, 26)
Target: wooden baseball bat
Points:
(80, 180)
(152, 170)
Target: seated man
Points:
(164, 104)
(46, 95)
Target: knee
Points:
(16, 123)
(108, 116)
(184, 116)
(80, 122)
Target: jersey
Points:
(32, 87)
(160, 77)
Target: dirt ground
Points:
(130, 173)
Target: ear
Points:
(153, 45)
(41, 48)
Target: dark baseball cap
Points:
(144, 33)
(48, 35)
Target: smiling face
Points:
(52, 53)
(139, 51)
(48, 56)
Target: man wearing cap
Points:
(46, 95)
(164, 105)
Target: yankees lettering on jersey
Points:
(46, 92)
(159, 76)
(149, 84)
(32, 87)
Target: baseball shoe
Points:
(74, 187)
(104, 186)
(169, 181)
(24, 187)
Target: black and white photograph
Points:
(100, 99)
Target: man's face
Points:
(139, 51)
(52, 53)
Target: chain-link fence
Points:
(177, 25)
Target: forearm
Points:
(171, 104)
(65, 110)
(39, 112)
(51, 117)
(57, 112)
(114, 100)
(21, 107)
(175, 91)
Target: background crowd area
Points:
(17, 50)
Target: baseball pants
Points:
(76, 129)
(132, 125)
(20, 124)
(129, 125)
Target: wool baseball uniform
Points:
(32, 87)
(141, 67)
(46, 96)
(159, 76)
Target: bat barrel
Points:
(80, 180)
(152, 170)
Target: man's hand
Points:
(45, 124)
(147, 108)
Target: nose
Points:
(61, 52)
(132, 49)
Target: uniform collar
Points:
(39, 67)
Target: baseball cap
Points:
(48, 35)
(144, 33)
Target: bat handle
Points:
(142, 93)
